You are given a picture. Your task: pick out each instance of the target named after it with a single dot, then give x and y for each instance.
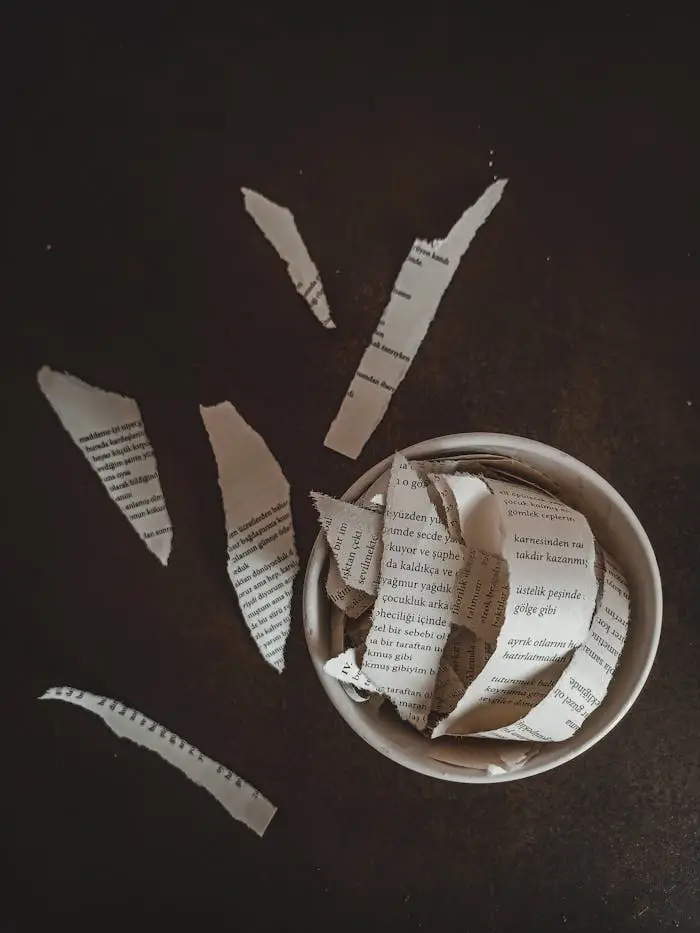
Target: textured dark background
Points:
(573, 319)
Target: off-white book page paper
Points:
(472, 510)
(278, 226)
(355, 538)
(466, 654)
(583, 685)
(418, 289)
(344, 667)
(550, 552)
(107, 427)
(413, 610)
(242, 801)
(481, 594)
(353, 602)
(448, 690)
(262, 556)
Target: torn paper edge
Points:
(510, 627)
(343, 667)
(580, 696)
(352, 602)
(402, 326)
(354, 535)
(241, 800)
(279, 228)
(51, 383)
(249, 472)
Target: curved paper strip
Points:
(240, 799)
(583, 685)
(550, 552)
(472, 507)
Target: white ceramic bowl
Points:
(616, 527)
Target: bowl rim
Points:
(454, 445)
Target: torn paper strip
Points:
(353, 602)
(471, 508)
(466, 654)
(278, 226)
(583, 685)
(421, 283)
(481, 594)
(262, 556)
(448, 505)
(448, 690)
(357, 630)
(242, 801)
(344, 668)
(108, 429)
(550, 552)
(355, 538)
(472, 519)
(413, 609)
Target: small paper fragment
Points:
(418, 289)
(240, 799)
(550, 553)
(262, 556)
(583, 685)
(412, 613)
(108, 429)
(355, 538)
(278, 226)
(344, 668)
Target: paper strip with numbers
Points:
(108, 429)
(278, 226)
(417, 292)
(242, 801)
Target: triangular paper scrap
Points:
(107, 427)
(278, 226)
(262, 556)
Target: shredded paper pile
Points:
(476, 603)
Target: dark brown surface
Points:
(573, 320)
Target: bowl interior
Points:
(616, 527)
